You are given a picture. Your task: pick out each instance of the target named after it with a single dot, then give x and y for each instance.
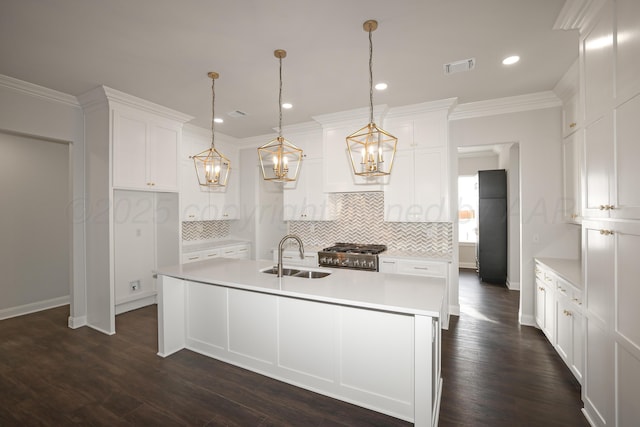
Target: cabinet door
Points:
(387, 266)
(162, 152)
(541, 292)
(599, 183)
(570, 116)
(194, 199)
(627, 49)
(599, 273)
(399, 192)
(305, 200)
(338, 172)
(573, 150)
(564, 329)
(577, 343)
(627, 204)
(129, 151)
(430, 184)
(598, 66)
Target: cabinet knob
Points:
(572, 125)
(541, 288)
(567, 313)
(606, 232)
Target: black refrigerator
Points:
(492, 226)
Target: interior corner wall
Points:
(30, 110)
(538, 133)
(34, 195)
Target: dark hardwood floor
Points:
(496, 373)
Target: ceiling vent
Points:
(460, 66)
(237, 113)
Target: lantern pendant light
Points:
(212, 167)
(280, 159)
(371, 149)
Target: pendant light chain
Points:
(280, 101)
(370, 78)
(213, 112)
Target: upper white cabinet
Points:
(145, 150)
(418, 190)
(200, 203)
(627, 49)
(305, 198)
(597, 62)
(572, 156)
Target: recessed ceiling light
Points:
(511, 60)
(287, 105)
(381, 86)
(218, 120)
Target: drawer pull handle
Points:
(541, 289)
(606, 232)
(572, 125)
(421, 268)
(567, 313)
(193, 257)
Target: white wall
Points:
(34, 198)
(470, 164)
(543, 233)
(260, 208)
(30, 110)
(509, 159)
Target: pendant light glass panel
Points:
(371, 149)
(212, 167)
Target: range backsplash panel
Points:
(205, 230)
(361, 220)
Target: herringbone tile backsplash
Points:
(361, 220)
(204, 230)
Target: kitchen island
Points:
(368, 338)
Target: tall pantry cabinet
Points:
(610, 92)
(131, 203)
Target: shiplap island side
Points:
(368, 338)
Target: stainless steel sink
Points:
(310, 274)
(285, 271)
(307, 274)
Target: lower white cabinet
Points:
(239, 251)
(292, 257)
(559, 314)
(413, 266)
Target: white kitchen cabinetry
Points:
(129, 142)
(573, 153)
(418, 187)
(200, 203)
(305, 199)
(612, 335)
(292, 257)
(236, 250)
(414, 266)
(559, 310)
(418, 190)
(145, 150)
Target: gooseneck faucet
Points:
(281, 248)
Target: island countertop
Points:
(413, 295)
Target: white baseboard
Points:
(528, 320)
(454, 310)
(33, 307)
(76, 322)
(513, 286)
(471, 265)
(136, 304)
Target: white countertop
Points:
(379, 291)
(568, 269)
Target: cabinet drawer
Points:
(191, 257)
(422, 268)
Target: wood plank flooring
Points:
(495, 372)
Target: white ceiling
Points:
(161, 51)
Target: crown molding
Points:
(512, 104)
(38, 91)
(358, 114)
(101, 94)
(447, 104)
(577, 14)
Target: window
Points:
(468, 209)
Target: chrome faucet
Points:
(281, 248)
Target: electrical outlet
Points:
(134, 285)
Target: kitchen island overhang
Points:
(371, 339)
